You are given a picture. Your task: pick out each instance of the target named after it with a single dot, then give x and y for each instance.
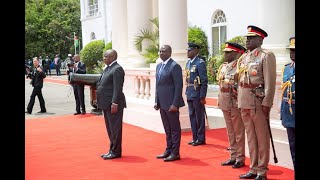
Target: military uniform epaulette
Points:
(265, 51)
(201, 60)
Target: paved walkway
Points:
(58, 97)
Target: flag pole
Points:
(74, 43)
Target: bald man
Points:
(111, 100)
(78, 89)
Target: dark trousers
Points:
(36, 92)
(172, 128)
(114, 129)
(78, 91)
(197, 120)
(58, 70)
(47, 69)
(292, 143)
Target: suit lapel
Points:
(164, 70)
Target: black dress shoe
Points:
(197, 143)
(77, 113)
(228, 162)
(164, 155)
(191, 142)
(105, 154)
(249, 175)
(83, 112)
(238, 165)
(27, 112)
(42, 111)
(111, 156)
(171, 158)
(259, 177)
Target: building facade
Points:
(120, 21)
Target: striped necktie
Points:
(161, 68)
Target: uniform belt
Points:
(223, 89)
(189, 84)
(286, 100)
(251, 86)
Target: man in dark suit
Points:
(46, 64)
(36, 74)
(168, 98)
(78, 89)
(196, 91)
(111, 99)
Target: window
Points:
(93, 8)
(219, 31)
(93, 36)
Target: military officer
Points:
(227, 102)
(256, 73)
(287, 114)
(196, 91)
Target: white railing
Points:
(139, 83)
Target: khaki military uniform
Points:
(227, 102)
(256, 68)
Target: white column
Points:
(280, 27)
(119, 30)
(155, 8)
(108, 18)
(173, 27)
(138, 13)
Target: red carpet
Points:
(69, 148)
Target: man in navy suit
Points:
(196, 91)
(111, 100)
(168, 98)
(78, 89)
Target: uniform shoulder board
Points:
(201, 60)
(266, 51)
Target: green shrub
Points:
(215, 61)
(98, 68)
(198, 36)
(92, 54)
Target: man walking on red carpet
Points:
(111, 100)
(168, 98)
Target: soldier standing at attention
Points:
(288, 107)
(227, 102)
(196, 91)
(256, 73)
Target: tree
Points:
(47, 23)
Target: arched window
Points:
(93, 36)
(219, 30)
(92, 7)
